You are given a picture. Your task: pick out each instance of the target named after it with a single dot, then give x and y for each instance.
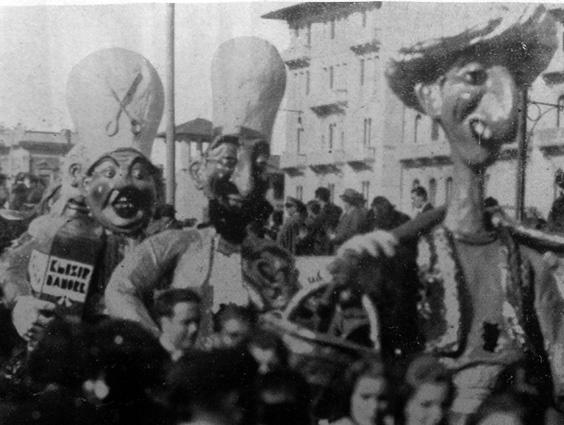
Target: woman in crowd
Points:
(427, 393)
(365, 396)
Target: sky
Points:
(40, 45)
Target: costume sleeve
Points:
(549, 306)
(147, 268)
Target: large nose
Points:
(499, 103)
(242, 176)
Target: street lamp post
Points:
(169, 96)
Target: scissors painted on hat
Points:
(113, 126)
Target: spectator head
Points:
(217, 384)
(269, 351)
(323, 194)
(418, 196)
(509, 409)
(294, 205)
(362, 393)
(235, 324)
(427, 392)
(313, 208)
(381, 205)
(352, 198)
(283, 398)
(178, 312)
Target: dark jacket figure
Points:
(326, 222)
(383, 215)
(353, 221)
(288, 237)
(556, 215)
(313, 237)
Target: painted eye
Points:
(475, 77)
(109, 172)
(138, 173)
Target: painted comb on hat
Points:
(115, 98)
(435, 35)
(248, 82)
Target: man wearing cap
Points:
(109, 192)
(248, 82)
(487, 299)
(354, 219)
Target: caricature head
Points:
(115, 97)
(248, 82)
(466, 73)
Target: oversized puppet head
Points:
(248, 82)
(115, 98)
(465, 71)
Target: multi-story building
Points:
(345, 128)
(30, 151)
(333, 91)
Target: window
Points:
(434, 130)
(332, 28)
(308, 34)
(362, 72)
(364, 19)
(299, 133)
(448, 189)
(299, 192)
(365, 189)
(331, 77)
(366, 139)
(432, 191)
(331, 136)
(416, 127)
(296, 32)
(331, 187)
(307, 82)
(342, 139)
(560, 112)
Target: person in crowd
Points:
(235, 325)
(163, 219)
(276, 221)
(248, 82)
(419, 200)
(509, 409)
(289, 235)
(268, 350)
(353, 221)
(4, 192)
(283, 397)
(486, 298)
(327, 220)
(363, 395)
(18, 194)
(383, 215)
(426, 395)
(106, 200)
(312, 236)
(212, 388)
(178, 314)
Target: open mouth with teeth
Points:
(125, 203)
(481, 131)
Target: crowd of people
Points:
(320, 227)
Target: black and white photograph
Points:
(281, 213)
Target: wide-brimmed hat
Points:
(352, 197)
(427, 39)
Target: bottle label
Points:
(60, 280)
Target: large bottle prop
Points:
(61, 268)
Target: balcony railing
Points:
(360, 155)
(369, 44)
(424, 153)
(297, 56)
(292, 161)
(330, 102)
(550, 140)
(325, 159)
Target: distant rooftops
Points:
(300, 10)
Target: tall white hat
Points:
(248, 82)
(115, 98)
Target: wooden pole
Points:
(169, 96)
(521, 157)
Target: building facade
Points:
(36, 152)
(345, 128)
